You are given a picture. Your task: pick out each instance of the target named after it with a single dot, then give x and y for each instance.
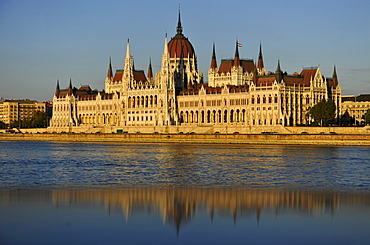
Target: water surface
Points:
(87, 193)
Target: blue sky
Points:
(42, 40)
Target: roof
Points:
(307, 74)
(179, 45)
(358, 98)
(226, 64)
(139, 75)
(214, 90)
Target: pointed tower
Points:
(255, 75)
(236, 69)
(57, 90)
(109, 78)
(179, 27)
(260, 66)
(236, 57)
(128, 70)
(335, 78)
(70, 89)
(213, 70)
(165, 67)
(150, 70)
(278, 73)
(110, 72)
(213, 61)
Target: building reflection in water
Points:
(179, 206)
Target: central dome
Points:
(179, 44)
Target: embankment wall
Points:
(279, 139)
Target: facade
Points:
(238, 92)
(19, 110)
(357, 106)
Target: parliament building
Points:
(239, 93)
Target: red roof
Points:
(308, 74)
(118, 76)
(247, 65)
(178, 45)
(139, 75)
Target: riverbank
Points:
(273, 139)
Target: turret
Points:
(236, 58)
(128, 72)
(335, 78)
(255, 76)
(110, 72)
(150, 71)
(260, 65)
(279, 73)
(70, 90)
(57, 90)
(179, 27)
(213, 61)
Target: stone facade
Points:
(357, 106)
(238, 93)
(19, 110)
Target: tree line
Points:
(323, 114)
(38, 120)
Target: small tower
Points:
(150, 70)
(260, 66)
(109, 78)
(110, 72)
(255, 76)
(57, 90)
(213, 61)
(236, 69)
(278, 73)
(335, 78)
(128, 70)
(213, 70)
(236, 57)
(70, 89)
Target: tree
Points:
(346, 119)
(3, 125)
(366, 117)
(323, 112)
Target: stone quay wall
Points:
(272, 139)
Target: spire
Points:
(128, 68)
(278, 69)
(150, 71)
(57, 90)
(179, 27)
(260, 59)
(128, 55)
(110, 73)
(213, 61)
(165, 51)
(255, 76)
(236, 58)
(70, 87)
(279, 73)
(335, 78)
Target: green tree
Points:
(346, 119)
(366, 117)
(323, 113)
(3, 125)
(40, 120)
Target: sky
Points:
(42, 41)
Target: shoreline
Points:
(258, 139)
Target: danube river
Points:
(90, 193)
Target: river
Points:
(94, 193)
